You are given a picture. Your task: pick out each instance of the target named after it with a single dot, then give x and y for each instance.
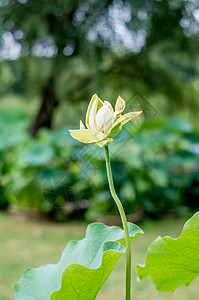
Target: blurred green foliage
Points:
(62, 52)
(155, 168)
(53, 57)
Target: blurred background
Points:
(54, 55)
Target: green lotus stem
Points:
(124, 223)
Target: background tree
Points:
(63, 51)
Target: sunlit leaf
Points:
(173, 262)
(82, 270)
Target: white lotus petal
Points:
(109, 106)
(82, 125)
(99, 104)
(104, 117)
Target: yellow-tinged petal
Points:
(121, 121)
(82, 125)
(114, 130)
(103, 143)
(127, 117)
(119, 106)
(97, 104)
(87, 136)
(92, 115)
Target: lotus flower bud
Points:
(104, 117)
(102, 122)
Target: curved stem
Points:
(124, 223)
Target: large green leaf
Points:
(12, 139)
(173, 262)
(82, 270)
(13, 120)
(36, 155)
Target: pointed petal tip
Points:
(139, 112)
(81, 125)
(94, 95)
(120, 105)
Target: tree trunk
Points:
(44, 117)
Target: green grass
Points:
(25, 243)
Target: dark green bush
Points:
(156, 170)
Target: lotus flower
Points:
(102, 122)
